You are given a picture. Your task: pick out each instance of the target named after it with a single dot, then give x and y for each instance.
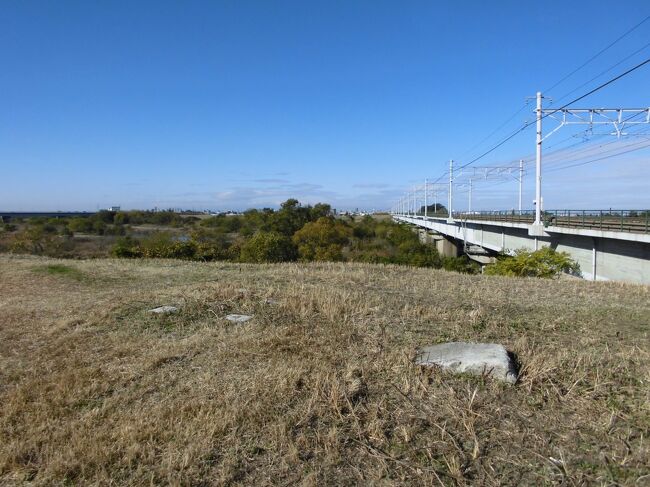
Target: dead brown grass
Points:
(319, 388)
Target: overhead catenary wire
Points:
(560, 81)
(642, 145)
(599, 87)
(478, 144)
(604, 72)
(463, 189)
(581, 97)
(602, 51)
(556, 160)
(549, 113)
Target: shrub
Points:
(544, 262)
(211, 244)
(417, 254)
(80, 225)
(126, 248)
(322, 240)
(163, 245)
(49, 228)
(115, 230)
(167, 217)
(104, 216)
(99, 227)
(373, 251)
(461, 264)
(121, 218)
(225, 223)
(268, 247)
(32, 240)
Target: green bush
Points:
(322, 240)
(99, 227)
(80, 225)
(291, 217)
(126, 248)
(225, 223)
(412, 252)
(121, 218)
(544, 262)
(268, 247)
(461, 264)
(211, 244)
(159, 245)
(371, 251)
(163, 245)
(104, 216)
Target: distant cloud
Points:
(271, 181)
(371, 185)
(270, 192)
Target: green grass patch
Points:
(60, 270)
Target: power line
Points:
(564, 153)
(495, 130)
(551, 157)
(645, 144)
(605, 72)
(528, 124)
(598, 54)
(625, 34)
(600, 87)
(525, 126)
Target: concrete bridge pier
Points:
(446, 247)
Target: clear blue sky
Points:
(245, 103)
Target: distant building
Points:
(113, 208)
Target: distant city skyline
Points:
(231, 105)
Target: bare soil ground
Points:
(319, 388)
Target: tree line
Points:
(293, 233)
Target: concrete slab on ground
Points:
(165, 310)
(489, 359)
(238, 318)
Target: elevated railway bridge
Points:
(608, 244)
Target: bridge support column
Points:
(446, 247)
(424, 236)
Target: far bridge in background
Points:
(6, 216)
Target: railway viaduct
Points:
(607, 247)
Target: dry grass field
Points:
(319, 388)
